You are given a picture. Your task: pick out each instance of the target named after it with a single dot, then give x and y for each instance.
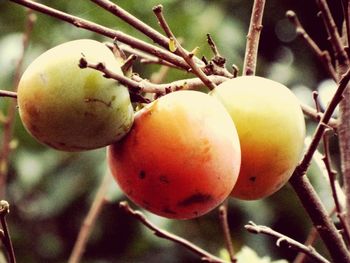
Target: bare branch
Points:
(307, 194)
(9, 94)
(11, 107)
(333, 183)
(205, 256)
(323, 124)
(334, 37)
(323, 56)
(346, 12)
(105, 31)
(289, 242)
(313, 113)
(4, 211)
(188, 57)
(135, 23)
(253, 38)
(226, 230)
(142, 85)
(90, 220)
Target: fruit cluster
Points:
(181, 155)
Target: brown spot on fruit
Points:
(167, 210)
(142, 174)
(163, 179)
(252, 179)
(195, 199)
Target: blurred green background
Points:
(50, 192)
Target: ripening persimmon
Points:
(74, 109)
(271, 129)
(181, 158)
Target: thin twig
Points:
(135, 23)
(205, 256)
(334, 37)
(289, 242)
(4, 210)
(144, 57)
(90, 220)
(333, 182)
(226, 231)
(216, 66)
(8, 94)
(188, 57)
(313, 113)
(313, 234)
(310, 240)
(11, 108)
(332, 175)
(253, 38)
(323, 56)
(346, 12)
(302, 167)
(306, 193)
(146, 86)
(105, 31)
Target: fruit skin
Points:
(74, 109)
(181, 158)
(271, 128)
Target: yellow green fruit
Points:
(74, 109)
(271, 130)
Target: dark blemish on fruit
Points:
(252, 179)
(163, 179)
(107, 104)
(142, 174)
(167, 210)
(195, 199)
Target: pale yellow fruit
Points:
(271, 129)
(74, 109)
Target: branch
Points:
(216, 66)
(147, 86)
(205, 256)
(339, 50)
(313, 113)
(90, 220)
(306, 192)
(290, 243)
(145, 57)
(253, 37)
(105, 31)
(4, 210)
(333, 184)
(8, 94)
(188, 57)
(303, 166)
(226, 230)
(323, 56)
(346, 12)
(11, 108)
(135, 23)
